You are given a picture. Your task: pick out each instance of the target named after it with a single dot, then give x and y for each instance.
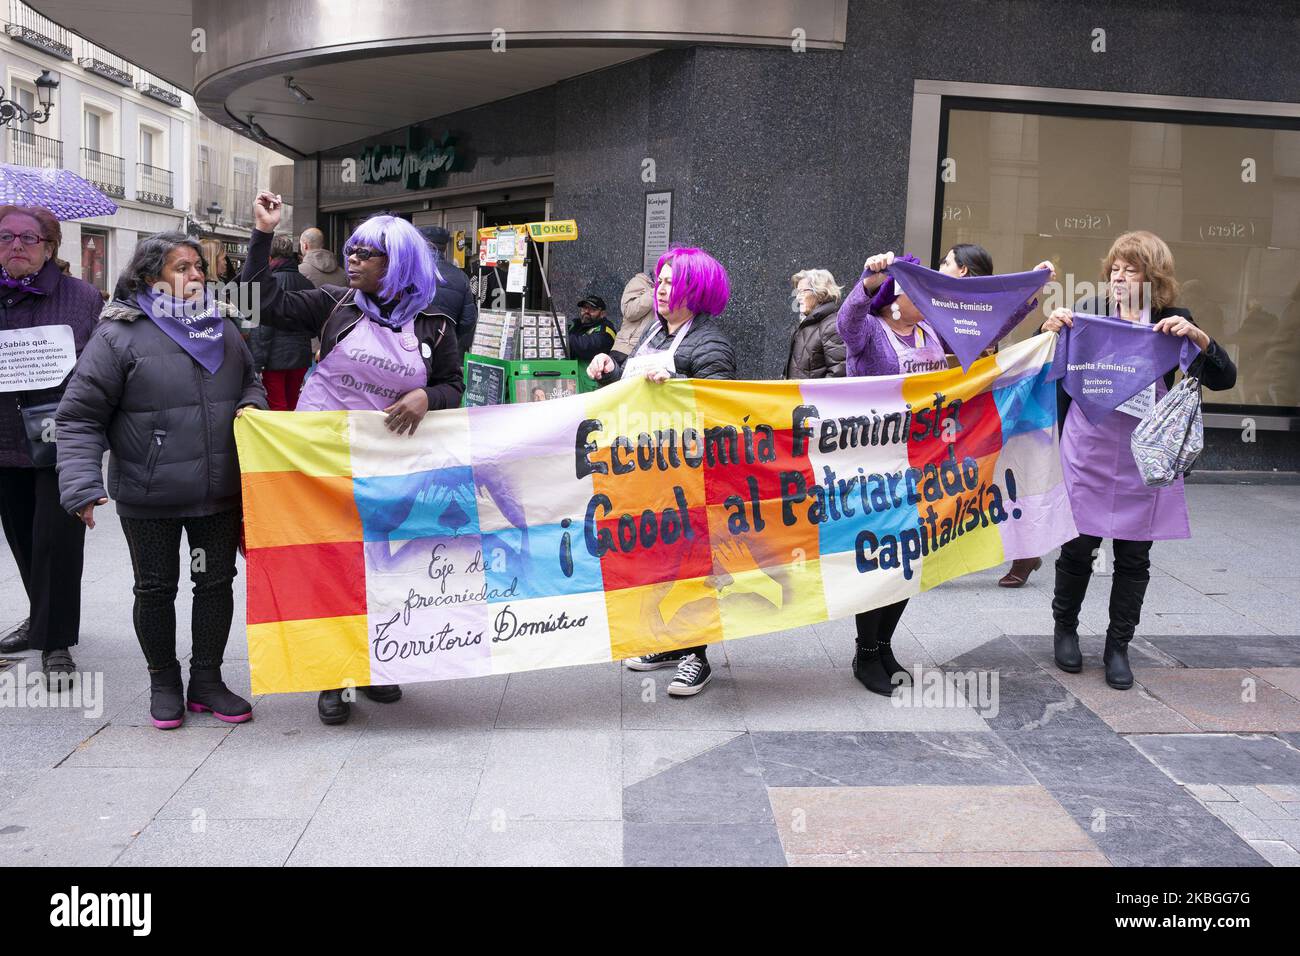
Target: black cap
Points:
(595, 301)
(435, 234)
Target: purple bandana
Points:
(969, 314)
(197, 327)
(1106, 361)
(26, 283)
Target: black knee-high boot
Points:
(1066, 601)
(1126, 596)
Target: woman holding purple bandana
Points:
(159, 385)
(886, 335)
(1107, 494)
(400, 358)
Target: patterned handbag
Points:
(1167, 442)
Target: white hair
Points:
(822, 282)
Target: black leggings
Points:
(1132, 558)
(155, 558)
(47, 544)
(877, 626)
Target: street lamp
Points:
(214, 212)
(12, 110)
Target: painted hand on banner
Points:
(739, 564)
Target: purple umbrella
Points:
(61, 191)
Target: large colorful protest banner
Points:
(634, 519)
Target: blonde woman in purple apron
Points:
(379, 347)
(1107, 495)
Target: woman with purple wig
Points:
(400, 358)
(885, 334)
(687, 341)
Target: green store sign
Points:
(419, 164)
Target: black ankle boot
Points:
(1067, 599)
(332, 708)
(890, 663)
(1126, 596)
(167, 697)
(871, 673)
(208, 692)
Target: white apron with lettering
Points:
(370, 368)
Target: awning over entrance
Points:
(360, 68)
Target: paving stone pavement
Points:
(783, 760)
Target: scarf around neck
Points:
(197, 327)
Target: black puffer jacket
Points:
(816, 349)
(277, 349)
(706, 350)
(167, 423)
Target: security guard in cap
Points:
(591, 333)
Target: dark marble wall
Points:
(782, 160)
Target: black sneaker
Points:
(650, 662)
(692, 674)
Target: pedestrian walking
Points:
(160, 384)
(637, 308)
(281, 356)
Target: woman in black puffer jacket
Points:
(685, 340)
(159, 385)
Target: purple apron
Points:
(925, 355)
(1106, 492)
(369, 369)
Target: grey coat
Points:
(167, 424)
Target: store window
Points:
(94, 258)
(1031, 186)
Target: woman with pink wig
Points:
(400, 358)
(687, 341)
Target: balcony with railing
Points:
(33, 149)
(157, 88)
(27, 26)
(101, 62)
(105, 171)
(153, 185)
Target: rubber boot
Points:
(1067, 599)
(208, 692)
(167, 697)
(1126, 596)
(871, 673)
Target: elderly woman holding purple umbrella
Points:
(36, 294)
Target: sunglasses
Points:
(27, 238)
(362, 253)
